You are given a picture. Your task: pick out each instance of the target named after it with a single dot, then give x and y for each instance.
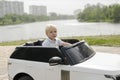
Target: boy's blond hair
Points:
(50, 26)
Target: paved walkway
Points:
(5, 52)
(115, 50)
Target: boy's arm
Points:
(66, 44)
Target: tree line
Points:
(100, 13)
(26, 18)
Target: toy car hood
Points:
(101, 63)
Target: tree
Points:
(116, 13)
(100, 13)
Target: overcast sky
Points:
(65, 6)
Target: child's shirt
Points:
(52, 43)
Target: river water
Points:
(66, 28)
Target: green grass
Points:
(110, 40)
(14, 43)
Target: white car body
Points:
(101, 66)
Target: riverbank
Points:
(102, 40)
(5, 52)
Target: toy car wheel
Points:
(25, 78)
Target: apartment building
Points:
(38, 10)
(11, 7)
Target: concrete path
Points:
(5, 52)
(115, 50)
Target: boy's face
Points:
(52, 33)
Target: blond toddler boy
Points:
(52, 40)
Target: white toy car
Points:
(76, 62)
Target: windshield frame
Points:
(78, 52)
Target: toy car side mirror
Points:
(55, 61)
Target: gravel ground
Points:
(5, 52)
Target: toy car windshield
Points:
(78, 52)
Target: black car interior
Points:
(39, 42)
